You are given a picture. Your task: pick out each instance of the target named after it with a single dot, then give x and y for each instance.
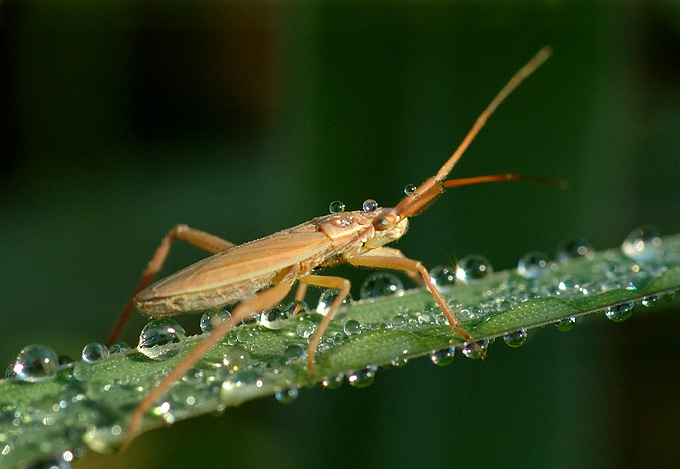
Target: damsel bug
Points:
(260, 274)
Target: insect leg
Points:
(393, 252)
(198, 238)
(409, 265)
(337, 283)
(263, 300)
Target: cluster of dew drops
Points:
(164, 338)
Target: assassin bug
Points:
(259, 274)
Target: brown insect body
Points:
(235, 274)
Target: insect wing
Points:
(248, 267)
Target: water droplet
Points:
(409, 189)
(9, 371)
(443, 277)
(305, 328)
(275, 317)
(353, 327)
(443, 357)
(294, 352)
(119, 347)
(515, 339)
(36, 362)
(95, 352)
(161, 339)
(381, 284)
(649, 300)
(287, 396)
(212, 318)
(336, 207)
(471, 352)
(362, 378)
(533, 265)
(619, 313)
(566, 324)
(369, 205)
(473, 268)
(574, 248)
(643, 244)
(326, 300)
(333, 382)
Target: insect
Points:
(261, 273)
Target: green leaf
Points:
(88, 404)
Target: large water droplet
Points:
(36, 362)
(533, 265)
(336, 207)
(443, 277)
(474, 267)
(471, 352)
(381, 284)
(95, 352)
(275, 317)
(119, 347)
(305, 327)
(443, 357)
(369, 205)
(326, 300)
(352, 327)
(515, 339)
(161, 339)
(577, 247)
(566, 324)
(362, 378)
(212, 318)
(409, 189)
(621, 312)
(643, 244)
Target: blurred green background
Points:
(120, 119)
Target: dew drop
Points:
(294, 352)
(326, 300)
(443, 357)
(305, 328)
(515, 339)
(275, 317)
(362, 378)
(369, 205)
(574, 248)
(474, 267)
(333, 382)
(443, 277)
(621, 312)
(649, 300)
(161, 339)
(287, 396)
(642, 244)
(471, 352)
(566, 324)
(212, 318)
(533, 265)
(336, 207)
(381, 284)
(119, 347)
(95, 352)
(36, 362)
(352, 327)
(409, 189)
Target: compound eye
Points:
(381, 223)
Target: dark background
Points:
(119, 120)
